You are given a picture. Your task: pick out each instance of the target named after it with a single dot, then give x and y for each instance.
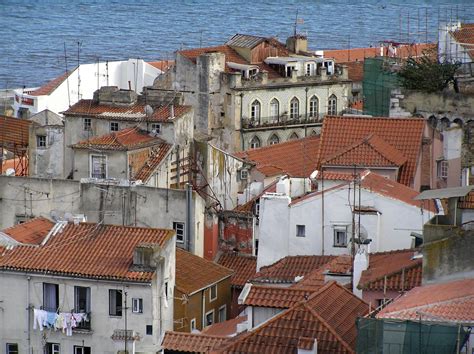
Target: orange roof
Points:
(30, 232)
(157, 155)
(194, 273)
(276, 297)
(126, 139)
(225, 328)
(395, 270)
(286, 269)
(244, 267)
(445, 302)
(329, 316)
(14, 132)
(337, 176)
(298, 157)
(249, 206)
(466, 202)
(19, 164)
(355, 70)
(88, 250)
(402, 134)
(465, 35)
(190, 342)
(50, 86)
(163, 65)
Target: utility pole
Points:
(126, 333)
(353, 227)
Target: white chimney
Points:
(361, 263)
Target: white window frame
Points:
(12, 351)
(219, 319)
(272, 141)
(156, 128)
(44, 144)
(182, 225)
(332, 105)
(114, 123)
(205, 318)
(137, 305)
(115, 291)
(192, 324)
(78, 349)
(211, 299)
(55, 348)
(313, 107)
(300, 230)
(443, 167)
(255, 110)
(294, 108)
(87, 124)
(92, 156)
(274, 109)
(255, 142)
(244, 174)
(336, 230)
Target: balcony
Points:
(282, 120)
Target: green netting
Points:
(387, 336)
(379, 80)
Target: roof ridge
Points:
(288, 142)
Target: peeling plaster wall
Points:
(46, 162)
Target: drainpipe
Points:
(203, 315)
(306, 110)
(241, 121)
(28, 278)
(322, 210)
(189, 232)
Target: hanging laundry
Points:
(39, 317)
(58, 324)
(50, 319)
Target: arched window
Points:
(293, 136)
(294, 108)
(274, 110)
(273, 140)
(332, 105)
(314, 133)
(255, 143)
(255, 111)
(313, 107)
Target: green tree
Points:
(428, 74)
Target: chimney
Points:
(361, 263)
(297, 44)
(324, 73)
(345, 72)
(172, 111)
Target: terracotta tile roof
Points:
(337, 176)
(372, 150)
(403, 134)
(445, 302)
(163, 65)
(286, 269)
(298, 157)
(190, 342)
(88, 250)
(158, 153)
(355, 70)
(244, 267)
(194, 273)
(30, 232)
(329, 316)
(226, 328)
(50, 86)
(19, 164)
(466, 202)
(123, 140)
(465, 35)
(276, 297)
(134, 112)
(395, 270)
(14, 131)
(249, 206)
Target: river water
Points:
(34, 33)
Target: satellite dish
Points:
(360, 234)
(148, 110)
(10, 172)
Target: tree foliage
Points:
(427, 74)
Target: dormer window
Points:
(142, 256)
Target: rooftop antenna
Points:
(78, 74)
(296, 22)
(67, 78)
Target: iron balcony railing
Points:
(281, 120)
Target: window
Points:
(209, 318)
(255, 111)
(41, 141)
(244, 174)
(156, 128)
(314, 107)
(222, 314)
(137, 305)
(50, 297)
(115, 302)
(300, 230)
(294, 108)
(166, 290)
(192, 324)
(179, 228)
(293, 136)
(340, 237)
(149, 330)
(87, 124)
(332, 105)
(98, 166)
(51, 348)
(308, 69)
(273, 140)
(443, 169)
(12, 348)
(257, 207)
(274, 109)
(79, 349)
(255, 143)
(114, 126)
(213, 292)
(82, 299)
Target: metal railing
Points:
(248, 123)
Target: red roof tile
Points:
(298, 157)
(355, 70)
(287, 269)
(276, 297)
(163, 65)
(50, 86)
(163, 113)
(446, 302)
(395, 270)
(466, 202)
(249, 206)
(465, 35)
(190, 342)
(88, 250)
(244, 267)
(225, 328)
(157, 155)
(14, 132)
(126, 139)
(194, 273)
(30, 232)
(403, 134)
(19, 164)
